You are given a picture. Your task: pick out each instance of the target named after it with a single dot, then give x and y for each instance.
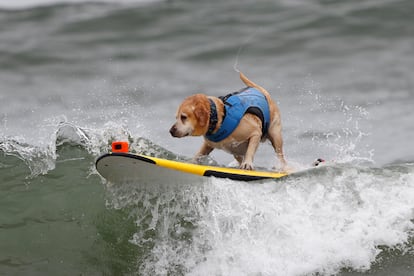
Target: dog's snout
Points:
(173, 131)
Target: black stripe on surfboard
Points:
(133, 156)
(233, 176)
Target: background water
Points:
(76, 75)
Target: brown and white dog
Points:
(193, 118)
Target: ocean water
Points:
(77, 75)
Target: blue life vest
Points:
(248, 100)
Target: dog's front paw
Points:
(197, 159)
(205, 160)
(247, 166)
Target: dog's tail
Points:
(252, 84)
(246, 80)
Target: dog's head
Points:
(192, 117)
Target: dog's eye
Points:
(183, 118)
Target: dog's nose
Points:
(173, 129)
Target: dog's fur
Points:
(193, 117)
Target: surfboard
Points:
(125, 166)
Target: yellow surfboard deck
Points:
(119, 166)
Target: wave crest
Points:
(42, 158)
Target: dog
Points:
(236, 123)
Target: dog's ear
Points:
(202, 116)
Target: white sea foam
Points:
(319, 223)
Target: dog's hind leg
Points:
(275, 137)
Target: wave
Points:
(321, 221)
(324, 221)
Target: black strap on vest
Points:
(257, 112)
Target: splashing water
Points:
(320, 222)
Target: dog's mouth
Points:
(180, 136)
(186, 134)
